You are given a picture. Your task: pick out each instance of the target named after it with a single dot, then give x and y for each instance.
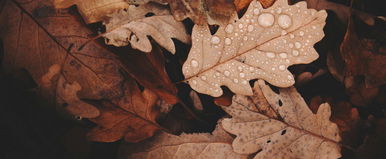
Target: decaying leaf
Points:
(262, 44)
(93, 10)
(361, 62)
(188, 146)
(297, 133)
(152, 74)
(68, 93)
(199, 11)
(133, 25)
(45, 39)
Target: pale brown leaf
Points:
(260, 45)
(186, 146)
(133, 26)
(298, 133)
(93, 10)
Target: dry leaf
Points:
(202, 11)
(68, 93)
(134, 24)
(361, 62)
(199, 11)
(298, 133)
(262, 44)
(93, 10)
(45, 41)
(152, 74)
(187, 146)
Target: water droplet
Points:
(256, 11)
(242, 75)
(289, 77)
(194, 63)
(292, 36)
(266, 19)
(282, 67)
(244, 82)
(283, 32)
(250, 28)
(215, 40)
(235, 80)
(194, 81)
(240, 26)
(314, 27)
(245, 38)
(273, 68)
(278, 10)
(284, 21)
(203, 78)
(270, 54)
(291, 45)
(295, 52)
(240, 68)
(217, 73)
(301, 33)
(227, 73)
(251, 69)
(228, 41)
(298, 45)
(229, 28)
(283, 55)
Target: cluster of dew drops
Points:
(265, 19)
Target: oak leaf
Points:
(199, 11)
(93, 10)
(43, 49)
(262, 44)
(134, 24)
(295, 132)
(132, 116)
(190, 146)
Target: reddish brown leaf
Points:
(149, 70)
(202, 11)
(134, 121)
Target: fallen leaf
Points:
(93, 10)
(256, 46)
(152, 74)
(132, 116)
(134, 24)
(190, 146)
(360, 64)
(199, 11)
(45, 38)
(68, 93)
(298, 133)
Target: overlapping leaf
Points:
(93, 10)
(294, 132)
(188, 146)
(262, 44)
(134, 24)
